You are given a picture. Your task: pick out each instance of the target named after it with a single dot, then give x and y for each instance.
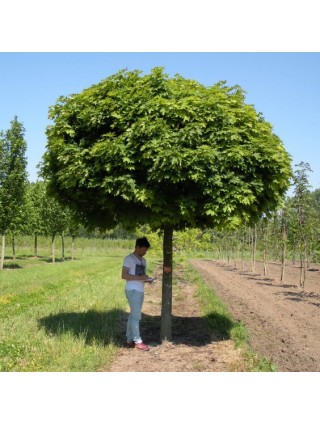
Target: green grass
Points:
(70, 316)
(66, 316)
(219, 320)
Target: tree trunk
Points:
(254, 248)
(284, 246)
(301, 270)
(3, 243)
(242, 250)
(13, 247)
(35, 250)
(62, 246)
(166, 308)
(72, 248)
(283, 261)
(265, 262)
(53, 248)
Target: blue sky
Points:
(284, 87)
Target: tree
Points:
(170, 152)
(34, 206)
(55, 221)
(74, 227)
(302, 204)
(13, 177)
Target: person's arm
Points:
(125, 275)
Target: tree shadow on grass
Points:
(12, 266)
(57, 260)
(105, 327)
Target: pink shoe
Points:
(142, 346)
(130, 344)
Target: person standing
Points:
(134, 272)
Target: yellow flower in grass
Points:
(5, 299)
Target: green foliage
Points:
(151, 149)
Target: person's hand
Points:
(150, 279)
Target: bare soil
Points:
(282, 319)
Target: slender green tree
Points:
(34, 206)
(55, 221)
(136, 149)
(13, 177)
(302, 203)
(73, 226)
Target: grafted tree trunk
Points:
(166, 309)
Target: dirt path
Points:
(283, 320)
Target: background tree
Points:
(35, 203)
(315, 226)
(284, 237)
(74, 228)
(55, 220)
(13, 177)
(302, 204)
(17, 227)
(166, 151)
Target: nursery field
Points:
(61, 316)
(282, 318)
(70, 316)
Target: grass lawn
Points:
(67, 316)
(62, 316)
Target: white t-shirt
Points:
(136, 267)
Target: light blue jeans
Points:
(135, 299)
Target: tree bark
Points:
(254, 248)
(166, 308)
(3, 243)
(13, 247)
(53, 248)
(62, 246)
(284, 246)
(35, 245)
(264, 262)
(72, 248)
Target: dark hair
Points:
(142, 243)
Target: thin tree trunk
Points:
(265, 262)
(72, 248)
(303, 273)
(303, 265)
(284, 246)
(242, 251)
(53, 248)
(62, 246)
(13, 247)
(283, 261)
(35, 249)
(166, 308)
(301, 270)
(254, 246)
(3, 244)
